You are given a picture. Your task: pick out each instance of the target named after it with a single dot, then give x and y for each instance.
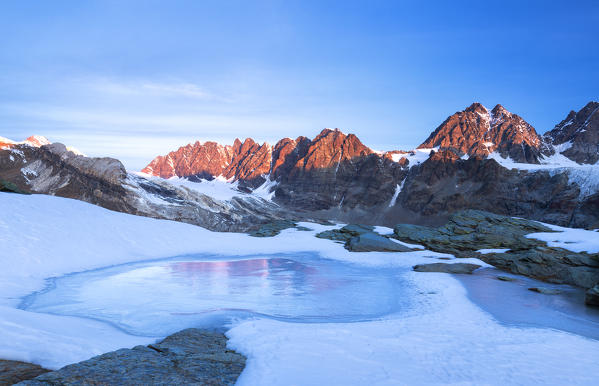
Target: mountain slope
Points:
(577, 136)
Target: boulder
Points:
(190, 356)
(371, 242)
(592, 296)
(446, 267)
(345, 233)
(545, 291)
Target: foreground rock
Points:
(545, 291)
(362, 238)
(189, 357)
(373, 242)
(592, 296)
(471, 230)
(463, 268)
(12, 372)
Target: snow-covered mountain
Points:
(478, 131)
(477, 158)
(336, 176)
(53, 169)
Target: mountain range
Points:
(477, 158)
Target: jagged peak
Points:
(476, 107)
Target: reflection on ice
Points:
(160, 297)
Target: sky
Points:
(134, 79)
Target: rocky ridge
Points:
(53, 169)
(335, 176)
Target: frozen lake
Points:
(156, 298)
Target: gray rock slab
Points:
(189, 357)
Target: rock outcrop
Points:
(471, 230)
(53, 169)
(455, 268)
(362, 238)
(189, 357)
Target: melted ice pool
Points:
(160, 297)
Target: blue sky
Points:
(133, 79)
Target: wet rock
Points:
(12, 372)
(446, 267)
(190, 357)
(371, 242)
(545, 291)
(592, 296)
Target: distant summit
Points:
(478, 131)
(577, 136)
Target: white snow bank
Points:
(450, 341)
(444, 338)
(55, 341)
(493, 250)
(572, 239)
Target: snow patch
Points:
(267, 189)
(493, 250)
(572, 239)
(396, 193)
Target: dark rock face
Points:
(189, 357)
(456, 268)
(579, 134)
(445, 184)
(477, 131)
(12, 372)
(471, 230)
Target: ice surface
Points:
(161, 297)
(493, 250)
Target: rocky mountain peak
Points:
(577, 136)
(34, 140)
(476, 131)
(476, 107)
(499, 112)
